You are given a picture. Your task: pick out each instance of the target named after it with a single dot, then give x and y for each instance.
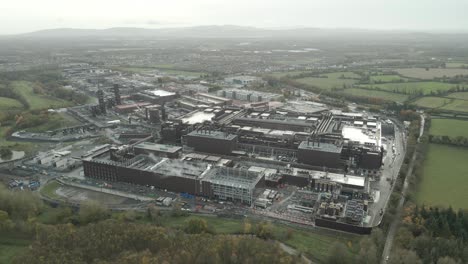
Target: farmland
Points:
(456, 64)
(443, 103)
(332, 75)
(421, 73)
(460, 95)
(377, 94)
(327, 83)
(457, 105)
(387, 78)
(449, 127)
(444, 181)
(412, 87)
(342, 75)
(167, 70)
(432, 102)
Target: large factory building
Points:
(171, 174)
(208, 141)
(198, 178)
(233, 184)
(320, 154)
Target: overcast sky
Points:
(19, 16)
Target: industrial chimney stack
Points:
(118, 100)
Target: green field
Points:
(56, 121)
(460, 95)
(15, 145)
(10, 246)
(8, 104)
(421, 73)
(456, 64)
(342, 75)
(327, 83)
(49, 190)
(333, 75)
(442, 103)
(432, 102)
(387, 78)
(445, 177)
(314, 243)
(412, 87)
(457, 105)
(290, 73)
(449, 127)
(37, 101)
(377, 94)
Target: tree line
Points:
(434, 235)
(459, 141)
(112, 241)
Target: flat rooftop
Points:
(197, 117)
(305, 107)
(160, 93)
(158, 147)
(234, 177)
(131, 106)
(361, 135)
(325, 147)
(186, 169)
(212, 134)
(350, 180)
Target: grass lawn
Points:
(411, 87)
(445, 177)
(421, 73)
(15, 145)
(449, 127)
(386, 78)
(327, 83)
(9, 104)
(377, 94)
(315, 243)
(221, 225)
(37, 101)
(56, 121)
(10, 246)
(49, 190)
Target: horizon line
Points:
(285, 28)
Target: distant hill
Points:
(231, 31)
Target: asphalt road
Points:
(391, 168)
(394, 225)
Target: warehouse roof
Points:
(325, 147)
(212, 134)
(158, 147)
(234, 177)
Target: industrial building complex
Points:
(236, 145)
